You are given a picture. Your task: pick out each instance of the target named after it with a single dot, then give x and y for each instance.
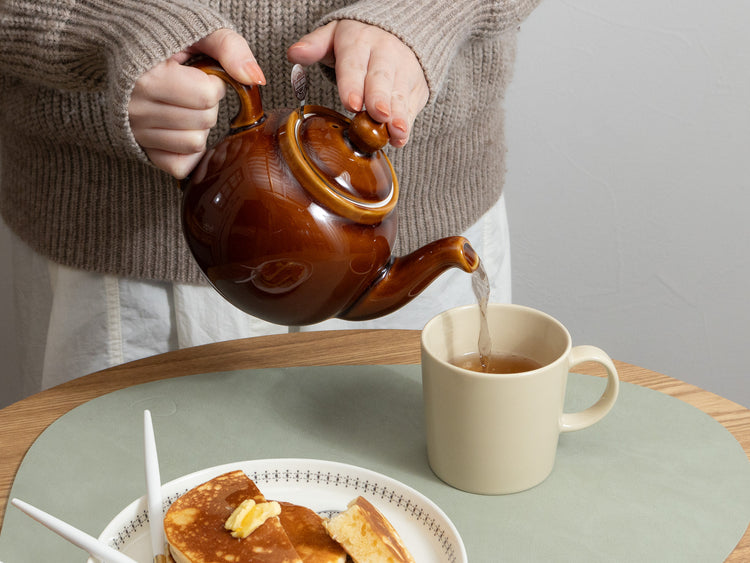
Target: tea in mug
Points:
(496, 363)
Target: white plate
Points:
(323, 486)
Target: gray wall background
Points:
(628, 186)
(629, 181)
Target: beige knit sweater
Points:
(76, 186)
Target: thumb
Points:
(234, 54)
(315, 47)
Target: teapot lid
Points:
(340, 162)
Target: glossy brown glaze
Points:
(407, 276)
(292, 217)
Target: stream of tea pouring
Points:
(487, 361)
(480, 284)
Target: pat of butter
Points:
(249, 516)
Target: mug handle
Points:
(585, 418)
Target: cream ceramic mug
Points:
(498, 433)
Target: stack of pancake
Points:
(196, 530)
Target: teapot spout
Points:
(407, 276)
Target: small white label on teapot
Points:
(299, 83)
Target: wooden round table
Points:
(24, 421)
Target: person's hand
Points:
(374, 69)
(173, 107)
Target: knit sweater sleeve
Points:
(435, 29)
(99, 47)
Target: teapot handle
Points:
(251, 107)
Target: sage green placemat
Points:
(656, 480)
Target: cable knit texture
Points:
(76, 186)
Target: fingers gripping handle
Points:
(251, 107)
(597, 411)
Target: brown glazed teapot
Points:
(292, 216)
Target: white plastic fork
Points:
(153, 491)
(75, 536)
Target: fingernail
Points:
(254, 72)
(382, 108)
(355, 102)
(400, 124)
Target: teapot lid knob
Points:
(366, 134)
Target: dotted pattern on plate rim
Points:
(383, 492)
(140, 520)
